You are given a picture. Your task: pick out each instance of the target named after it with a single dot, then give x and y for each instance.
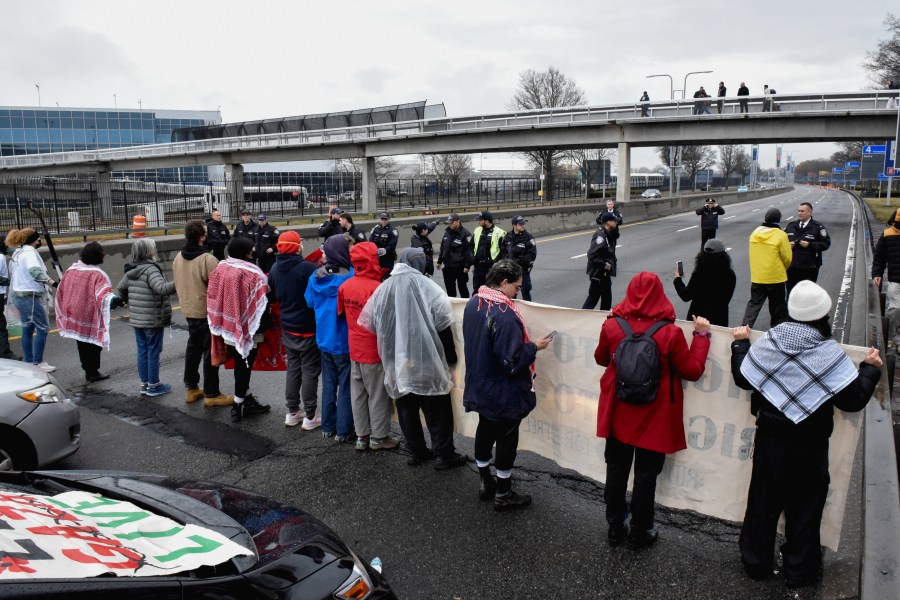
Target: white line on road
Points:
(728, 249)
(731, 217)
(686, 228)
(755, 209)
(580, 255)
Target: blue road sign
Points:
(854, 163)
(889, 160)
(882, 177)
(873, 149)
(837, 170)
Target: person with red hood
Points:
(368, 397)
(644, 433)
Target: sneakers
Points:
(293, 419)
(220, 400)
(511, 501)
(641, 538)
(46, 367)
(143, 389)
(383, 443)
(362, 444)
(327, 434)
(95, 377)
(249, 407)
(616, 534)
(310, 424)
(450, 462)
(157, 390)
(192, 394)
(343, 439)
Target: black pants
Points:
(526, 285)
(455, 277)
(706, 234)
(789, 476)
(798, 274)
(5, 350)
(759, 293)
(89, 354)
(197, 351)
(744, 107)
(504, 433)
(438, 413)
(479, 275)
(600, 290)
(647, 466)
(218, 250)
(242, 371)
(265, 261)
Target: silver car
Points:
(651, 193)
(39, 423)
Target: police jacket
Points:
(814, 233)
(385, 237)
(330, 228)
(601, 253)
(357, 235)
(424, 242)
(887, 254)
(249, 231)
(521, 248)
(266, 237)
(217, 234)
(456, 248)
(490, 253)
(709, 216)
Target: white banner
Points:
(712, 476)
(77, 535)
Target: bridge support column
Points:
(234, 188)
(623, 180)
(369, 188)
(104, 196)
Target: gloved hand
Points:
(382, 251)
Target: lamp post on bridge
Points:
(671, 148)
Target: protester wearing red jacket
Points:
(644, 433)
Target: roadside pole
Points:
(892, 156)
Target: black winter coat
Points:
(709, 294)
(456, 248)
(602, 253)
(329, 228)
(709, 217)
(814, 233)
(519, 247)
(217, 237)
(887, 255)
(423, 242)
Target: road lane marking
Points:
(731, 217)
(755, 209)
(686, 228)
(580, 256)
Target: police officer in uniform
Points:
(520, 247)
(601, 267)
(455, 257)
(709, 220)
(611, 209)
(266, 239)
(420, 240)
(332, 226)
(808, 240)
(485, 246)
(217, 235)
(247, 229)
(352, 230)
(384, 235)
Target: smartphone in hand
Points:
(552, 334)
(679, 267)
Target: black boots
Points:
(488, 488)
(506, 499)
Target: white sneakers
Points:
(46, 367)
(294, 419)
(310, 424)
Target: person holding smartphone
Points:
(500, 357)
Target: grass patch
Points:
(882, 213)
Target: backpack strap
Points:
(626, 328)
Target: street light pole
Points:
(671, 84)
(115, 101)
(38, 86)
(896, 154)
(684, 90)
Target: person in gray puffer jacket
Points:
(145, 289)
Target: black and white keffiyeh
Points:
(797, 369)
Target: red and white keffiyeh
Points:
(235, 302)
(496, 297)
(82, 304)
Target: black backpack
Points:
(637, 364)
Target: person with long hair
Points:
(798, 374)
(29, 285)
(711, 285)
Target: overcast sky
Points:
(265, 59)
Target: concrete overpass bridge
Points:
(829, 117)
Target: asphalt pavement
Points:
(436, 539)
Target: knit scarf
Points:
(502, 302)
(82, 304)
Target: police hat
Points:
(485, 215)
(245, 211)
(261, 217)
(519, 220)
(335, 210)
(710, 200)
(607, 217)
(384, 215)
(452, 217)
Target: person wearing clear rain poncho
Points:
(411, 316)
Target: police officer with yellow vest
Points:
(486, 247)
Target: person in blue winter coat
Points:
(499, 378)
(331, 337)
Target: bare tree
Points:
(728, 158)
(590, 161)
(883, 63)
(697, 158)
(743, 163)
(546, 89)
(450, 168)
(386, 167)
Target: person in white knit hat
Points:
(797, 374)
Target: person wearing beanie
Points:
(288, 281)
(809, 240)
(709, 220)
(420, 240)
(711, 285)
(770, 257)
(797, 375)
(887, 256)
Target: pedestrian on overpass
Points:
(721, 93)
(601, 263)
(519, 246)
(709, 220)
(701, 106)
(887, 256)
(455, 257)
(797, 374)
(809, 240)
(767, 99)
(743, 91)
(645, 105)
(485, 247)
(770, 256)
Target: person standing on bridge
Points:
(217, 235)
(247, 229)
(601, 263)
(645, 105)
(519, 246)
(385, 237)
(808, 240)
(455, 257)
(722, 92)
(332, 226)
(743, 91)
(709, 220)
(887, 256)
(770, 256)
(701, 106)
(767, 99)
(266, 244)
(797, 374)
(486, 247)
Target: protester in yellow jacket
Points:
(770, 256)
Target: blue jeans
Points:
(149, 347)
(337, 410)
(34, 323)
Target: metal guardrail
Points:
(793, 103)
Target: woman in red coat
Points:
(644, 433)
